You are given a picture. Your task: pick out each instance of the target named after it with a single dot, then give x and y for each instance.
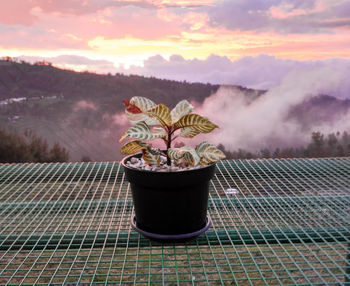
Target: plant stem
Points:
(168, 161)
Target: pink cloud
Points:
(56, 31)
(288, 11)
(37, 39)
(110, 23)
(84, 104)
(84, 20)
(280, 16)
(308, 47)
(134, 22)
(82, 7)
(17, 12)
(74, 62)
(127, 32)
(119, 119)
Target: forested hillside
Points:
(79, 110)
(82, 112)
(42, 79)
(320, 145)
(16, 148)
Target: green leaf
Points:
(161, 113)
(138, 131)
(181, 109)
(143, 104)
(151, 156)
(196, 122)
(186, 153)
(208, 153)
(133, 147)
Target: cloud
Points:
(17, 12)
(281, 16)
(55, 30)
(118, 119)
(131, 31)
(260, 72)
(36, 39)
(20, 11)
(76, 62)
(265, 121)
(84, 64)
(84, 105)
(80, 7)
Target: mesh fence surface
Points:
(273, 222)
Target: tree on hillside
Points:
(316, 147)
(15, 148)
(58, 154)
(85, 158)
(336, 145)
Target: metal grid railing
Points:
(286, 222)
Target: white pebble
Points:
(134, 160)
(162, 167)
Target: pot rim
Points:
(123, 162)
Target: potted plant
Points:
(169, 187)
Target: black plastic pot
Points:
(170, 205)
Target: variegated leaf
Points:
(188, 132)
(181, 109)
(151, 156)
(174, 153)
(159, 132)
(139, 117)
(196, 122)
(133, 147)
(161, 113)
(187, 153)
(191, 157)
(143, 104)
(138, 131)
(209, 153)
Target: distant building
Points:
(13, 100)
(14, 118)
(17, 99)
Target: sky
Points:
(255, 43)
